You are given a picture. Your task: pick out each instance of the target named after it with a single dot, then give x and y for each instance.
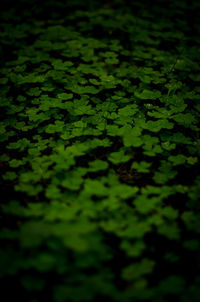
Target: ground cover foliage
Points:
(100, 151)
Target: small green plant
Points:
(100, 151)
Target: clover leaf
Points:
(118, 157)
(148, 94)
(141, 167)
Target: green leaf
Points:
(118, 157)
(148, 94)
(137, 270)
(133, 137)
(97, 165)
(141, 167)
(177, 159)
(65, 96)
